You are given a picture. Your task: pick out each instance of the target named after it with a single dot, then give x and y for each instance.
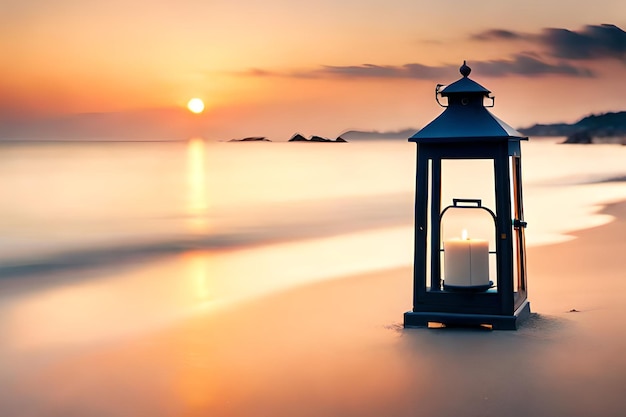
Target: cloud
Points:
(414, 71)
(591, 42)
(527, 65)
(522, 64)
(497, 34)
(604, 41)
(556, 52)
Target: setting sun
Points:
(195, 105)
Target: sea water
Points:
(63, 198)
(139, 233)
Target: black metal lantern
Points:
(468, 177)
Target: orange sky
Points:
(276, 67)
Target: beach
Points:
(338, 348)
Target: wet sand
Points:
(337, 348)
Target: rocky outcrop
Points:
(299, 138)
(550, 130)
(602, 128)
(251, 139)
(582, 137)
(319, 139)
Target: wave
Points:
(318, 220)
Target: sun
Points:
(195, 105)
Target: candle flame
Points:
(464, 235)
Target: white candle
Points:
(466, 261)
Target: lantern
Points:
(468, 179)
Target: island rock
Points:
(251, 139)
(582, 137)
(298, 138)
(603, 128)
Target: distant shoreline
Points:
(593, 129)
(602, 128)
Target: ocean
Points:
(61, 198)
(215, 223)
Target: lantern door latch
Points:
(517, 223)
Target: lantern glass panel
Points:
(472, 223)
(469, 179)
(517, 217)
(514, 211)
(429, 220)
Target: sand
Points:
(337, 348)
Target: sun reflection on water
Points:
(199, 265)
(197, 198)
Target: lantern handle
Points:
(457, 201)
(438, 93)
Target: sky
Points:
(126, 68)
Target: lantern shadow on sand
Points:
(468, 177)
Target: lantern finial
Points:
(465, 70)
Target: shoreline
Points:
(142, 249)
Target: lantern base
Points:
(468, 288)
(413, 319)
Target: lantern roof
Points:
(465, 85)
(465, 118)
